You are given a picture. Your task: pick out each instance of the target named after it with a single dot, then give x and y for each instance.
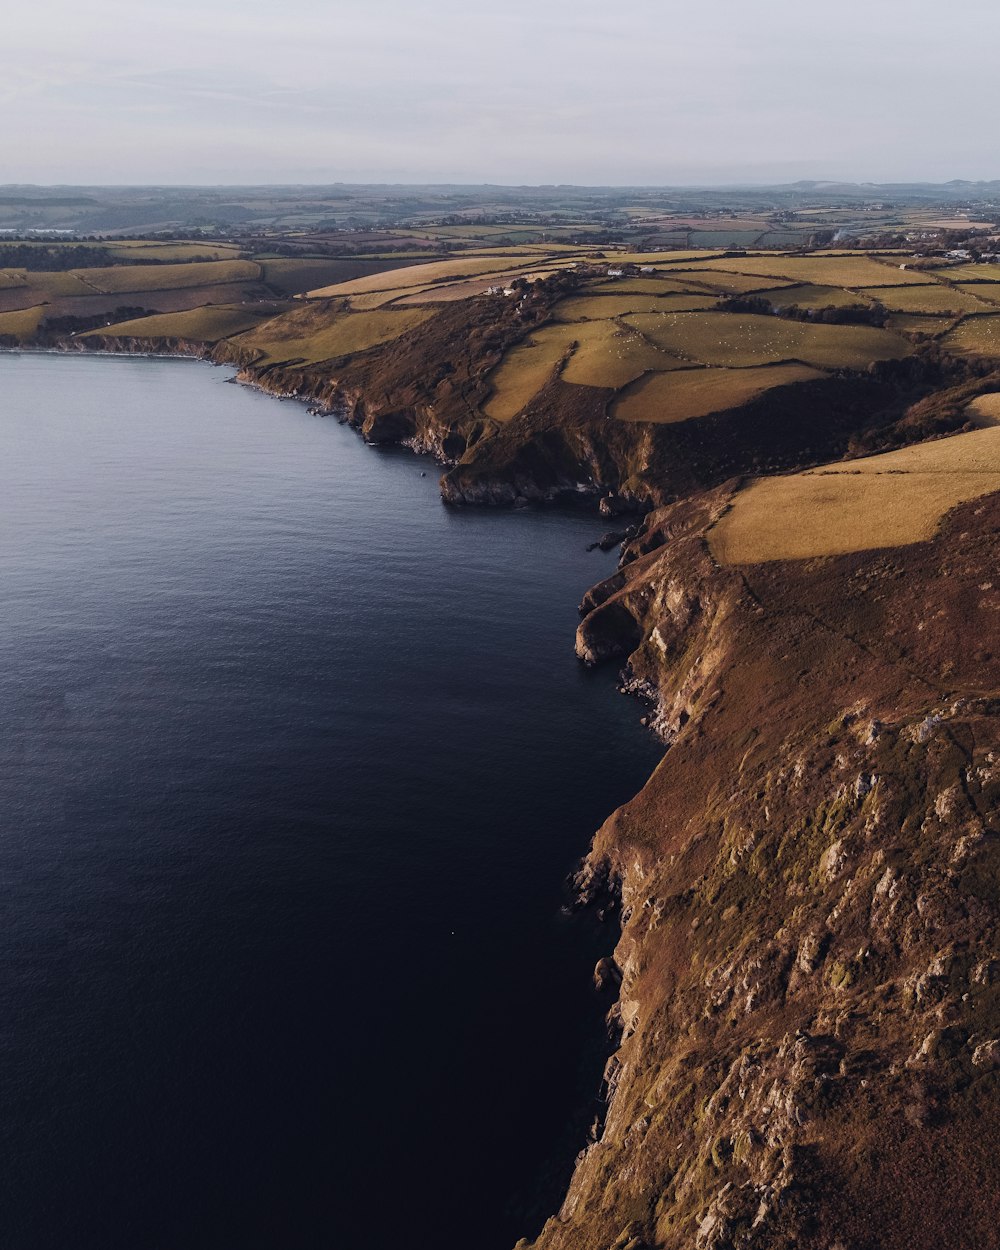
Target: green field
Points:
(988, 293)
(597, 353)
(47, 286)
(610, 354)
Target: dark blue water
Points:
(294, 760)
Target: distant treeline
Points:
(52, 257)
(47, 258)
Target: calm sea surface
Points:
(293, 763)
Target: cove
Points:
(295, 760)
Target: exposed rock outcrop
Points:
(810, 952)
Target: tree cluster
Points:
(47, 258)
(835, 315)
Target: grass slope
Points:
(683, 394)
(880, 501)
(737, 339)
(327, 332)
(201, 325)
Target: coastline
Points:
(804, 882)
(597, 894)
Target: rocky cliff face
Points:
(429, 387)
(810, 995)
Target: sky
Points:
(652, 92)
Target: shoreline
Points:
(583, 890)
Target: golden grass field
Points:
(808, 295)
(525, 370)
(988, 293)
(971, 273)
(652, 285)
(46, 285)
(312, 333)
(449, 292)
(731, 283)
(823, 270)
(292, 276)
(208, 324)
(424, 275)
(858, 505)
(143, 249)
(916, 323)
(610, 354)
(684, 394)
(597, 353)
(976, 336)
(378, 299)
(125, 278)
(741, 339)
(985, 410)
(23, 323)
(601, 307)
(926, 299)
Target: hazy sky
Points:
(638, 91)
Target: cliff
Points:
(810, 971)
(809, 962)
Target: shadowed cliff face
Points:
(810, 1004)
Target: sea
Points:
(294, 763)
